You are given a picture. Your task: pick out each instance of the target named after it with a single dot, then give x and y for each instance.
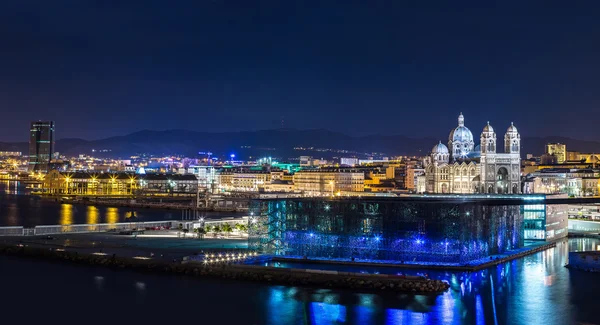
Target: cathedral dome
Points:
(440, 148)
(488, 128)
(461, 134)
(512, 128)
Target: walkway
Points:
(159, 243)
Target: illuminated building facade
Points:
(415, 229)
(82, 183)
(461, 167)
(559, 150)
(168, 184)
(589, 158)
(569, 181)
(326, 181)
(41, 145)
(207, 177)
(545, 222)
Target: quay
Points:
(219, 204)
(185, 256)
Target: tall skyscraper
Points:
(41, 145)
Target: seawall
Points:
(292, 277)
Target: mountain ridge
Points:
(273, 142)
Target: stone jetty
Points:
(293, 277)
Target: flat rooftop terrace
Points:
(484, 199)
(161, 244)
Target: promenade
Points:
(152, 253)
(161, 244)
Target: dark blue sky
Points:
(103, 68)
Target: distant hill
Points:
(276, 143)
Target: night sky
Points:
(104, 68)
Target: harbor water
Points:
(536, 289)
(19, 209)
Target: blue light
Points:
(311, 234)
(419, 241)
(377, 238)
(232, 156)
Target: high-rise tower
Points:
(41, 145)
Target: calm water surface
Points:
(533, 290)
(18, 209)
(537, 289)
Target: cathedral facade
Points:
(463, 167)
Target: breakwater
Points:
(584, 261)
(294, 277)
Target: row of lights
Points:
(212, 258)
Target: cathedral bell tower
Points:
(488, 139)
(512, 140)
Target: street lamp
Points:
(67, 179)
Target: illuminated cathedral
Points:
(463, 167)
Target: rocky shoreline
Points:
(293, 277)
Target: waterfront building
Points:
(461, 167)
(559, 150)
(253, 180)
(41, 145)
(328, 181)
(207, 177)
(83, 183)
(431, 228)
(173, 184)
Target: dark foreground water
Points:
(19, 209)
(534, 290)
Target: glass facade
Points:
(41, 145)
(534, 216)
(386, 229)
(545, 221)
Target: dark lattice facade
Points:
(403, 229)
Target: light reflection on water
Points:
(517, 292)
(92, 215)
(66, 214)
(534, 289)
(29, 211)
(112, 215)
(11, 187)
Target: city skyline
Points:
(115, 68)
(301, 162)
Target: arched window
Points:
(502, 180)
